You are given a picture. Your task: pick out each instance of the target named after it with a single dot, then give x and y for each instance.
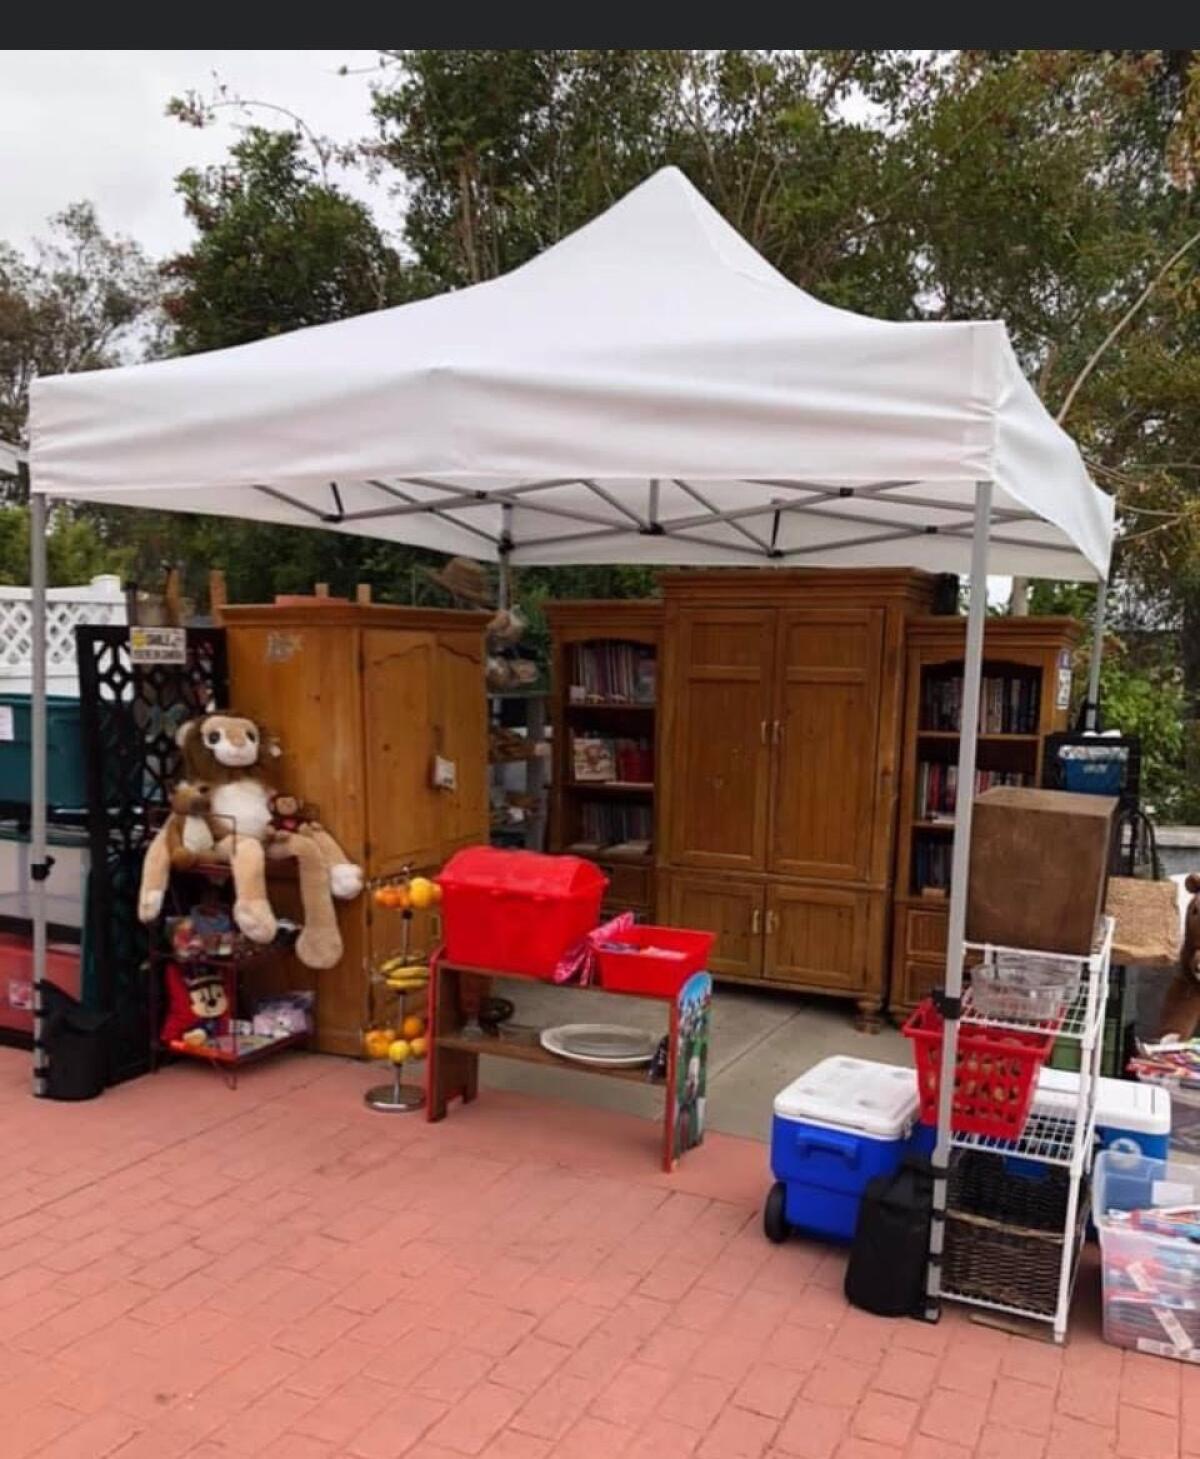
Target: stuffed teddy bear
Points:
(191, 829)
(1181, 1006)
(225, 752)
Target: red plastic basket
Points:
(995, 1076)
(633, 969)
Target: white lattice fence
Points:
(100, 601)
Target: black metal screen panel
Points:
(129, 716)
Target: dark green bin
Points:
(65, 785)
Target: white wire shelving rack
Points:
(1064, 1140)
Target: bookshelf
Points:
(1025, 695)
(518, 771)
(604, 713)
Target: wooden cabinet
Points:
(604, 686)
(781, 710)
(722, 711)
(363, 698)
(1027, 661)
(732, 908)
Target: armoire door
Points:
(818, 937)
(460, 736)
(730, 908)
(826, 738)
(719, 747)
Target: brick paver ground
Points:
(277, 1271)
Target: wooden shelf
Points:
(610, 787)
(524, 1044)
(933, 825)
(615, 706)
(987, 739)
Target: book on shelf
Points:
(636, 850)
(1009, 704)
(614, 823)
(931, 864)
(603, 758)
(612, 673)
(937, 787)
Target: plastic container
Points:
(66, 787)
(995, 1074)
(834, 1129)
(16, 977)
(516, 911)
(1151, 1279)
(1018, 986)
(1137, 1114)
(656, 960)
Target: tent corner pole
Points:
(1091, 709)
(39, 862)
(959, 866)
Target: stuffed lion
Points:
(224, 753)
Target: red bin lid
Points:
(492, 868)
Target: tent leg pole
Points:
(1091, 710)
(960, 862)
(504, 590)
(39, 862)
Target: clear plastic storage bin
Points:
(1148, 1215)
(1016, 986)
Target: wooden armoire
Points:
(781, 708)
(363, 698)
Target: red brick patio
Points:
(186, 1270)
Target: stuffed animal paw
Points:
(345, 880)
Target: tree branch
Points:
(1115, 332)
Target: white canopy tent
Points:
(648, 390)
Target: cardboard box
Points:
(1039, 868)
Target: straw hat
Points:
(464, 579)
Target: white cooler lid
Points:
(1121, 1104)
(853, 1094)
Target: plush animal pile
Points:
(226, 810)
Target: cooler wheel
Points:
(775, 1223)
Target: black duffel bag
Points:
(890, 1254)
(77, 1046)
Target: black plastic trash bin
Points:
(77, 1046)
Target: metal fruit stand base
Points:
(1060, 1141)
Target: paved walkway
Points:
(277, 1271)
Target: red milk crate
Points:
(517, 911)
(995, 1076)
(656, 960)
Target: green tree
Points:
(277, 248)
(83, 300)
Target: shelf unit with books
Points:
(603, 709)
(1025, 696)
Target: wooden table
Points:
(452, 1067)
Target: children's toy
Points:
(197, 1006)
(226, 752)
(191, 830)
(281, 1017)
(835, 1128)
(1180, 1015)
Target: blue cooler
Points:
(834, 1129)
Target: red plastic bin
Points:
(631, 968)
(995, 1076)
(517, 911)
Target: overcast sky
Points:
(78, 125)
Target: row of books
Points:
(609, 823)
(612, 673)
(931, 863)
(937, 787)
(1009, 704)
(601, 759)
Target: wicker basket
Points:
(980, 1185)
(1013, 1265)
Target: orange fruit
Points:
(382, 896)
(418, 1047)
(377, 1041)
(421, 892)
(413, 1026)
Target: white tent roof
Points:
(647, 390)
